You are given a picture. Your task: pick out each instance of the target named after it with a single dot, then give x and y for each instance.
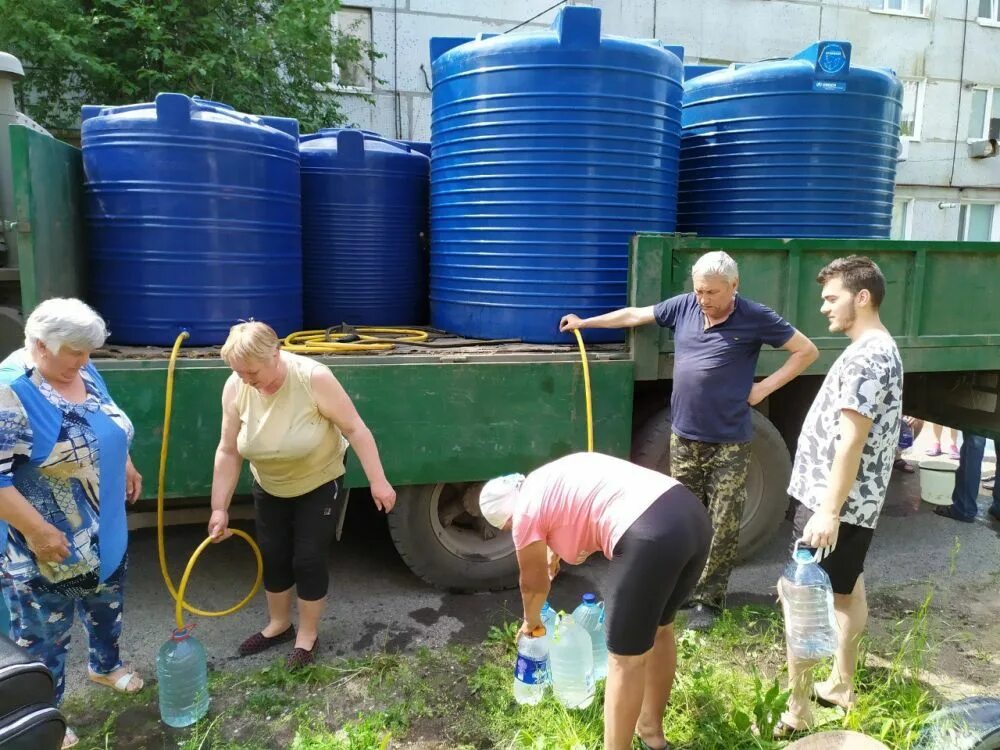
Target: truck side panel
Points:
(433, 422)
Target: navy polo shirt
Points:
(714, 368)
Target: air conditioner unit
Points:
(984, 148)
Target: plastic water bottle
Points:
(531, 669)
(807, 602)
(572, 664)
(549, 619)
(182, 671)
(589, 615)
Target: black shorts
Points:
(655, 567)
(847, 561)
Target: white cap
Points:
(497, 499)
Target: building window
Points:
(353, 37)
(979, 222)
(900, 7)
(913, 107)
(902, 219)
(985, 105)
(989, 10)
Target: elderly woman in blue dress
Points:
(65, 475)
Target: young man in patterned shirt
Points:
(842, 468)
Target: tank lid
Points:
(10, 64)
(589, 598)
(352, 146)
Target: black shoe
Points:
(994, 513)
(702, 617)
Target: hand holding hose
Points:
(569, 323)
(218, 526)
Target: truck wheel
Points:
(767, 479)
(437, 530)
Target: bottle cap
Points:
(182, 634)
(538, 632)
(803, 556)
(589, 598)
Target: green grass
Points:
(729, 680)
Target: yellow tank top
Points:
(291, 447)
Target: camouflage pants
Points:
(717, 474)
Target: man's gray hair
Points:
(718, 264)
(65, 321)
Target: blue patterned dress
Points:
(67, 460)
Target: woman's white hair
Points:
(65, 321)
(717, 264)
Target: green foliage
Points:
(273, 57)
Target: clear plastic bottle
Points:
(531, 668)
(807, 603)
(549, 618)
(572, 664)
(182, 672)
(589, 615)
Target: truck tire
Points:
(767, 480)
(437, 530)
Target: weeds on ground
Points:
(729, 681)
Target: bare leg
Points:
(852, 616)
(623, 699)
(309, 615)
(660, 668)
(279, 610)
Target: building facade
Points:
(946, 52)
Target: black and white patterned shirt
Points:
(867, 378)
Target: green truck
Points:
(446, 420)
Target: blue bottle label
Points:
(531, 671)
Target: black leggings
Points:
(655, 567)
(294, 535)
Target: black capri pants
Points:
(294, 535)
(654, 568)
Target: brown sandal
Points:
(259, 642)
(302, 657)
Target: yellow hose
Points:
(369, 340)
(586, 390)
(178, 594)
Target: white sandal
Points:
(70, 739)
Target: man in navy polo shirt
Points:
(718, 336)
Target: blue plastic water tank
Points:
(364, 229)
(804, 147)
(421, 147)
(193, 218)
(551, 149)
(693, 71)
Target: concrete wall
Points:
(947, 48)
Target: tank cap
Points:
(10, 64)
(589, 598)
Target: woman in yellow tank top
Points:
(293, 421)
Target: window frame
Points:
(918, 107)
(370, 69)
(991, 93)
(963, 227)
(907, 228)
(993, 19)
(924, 9)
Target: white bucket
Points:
(937, 481)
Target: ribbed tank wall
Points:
(193, 219)
(364, 227)
(805, 147)
(550, 150)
